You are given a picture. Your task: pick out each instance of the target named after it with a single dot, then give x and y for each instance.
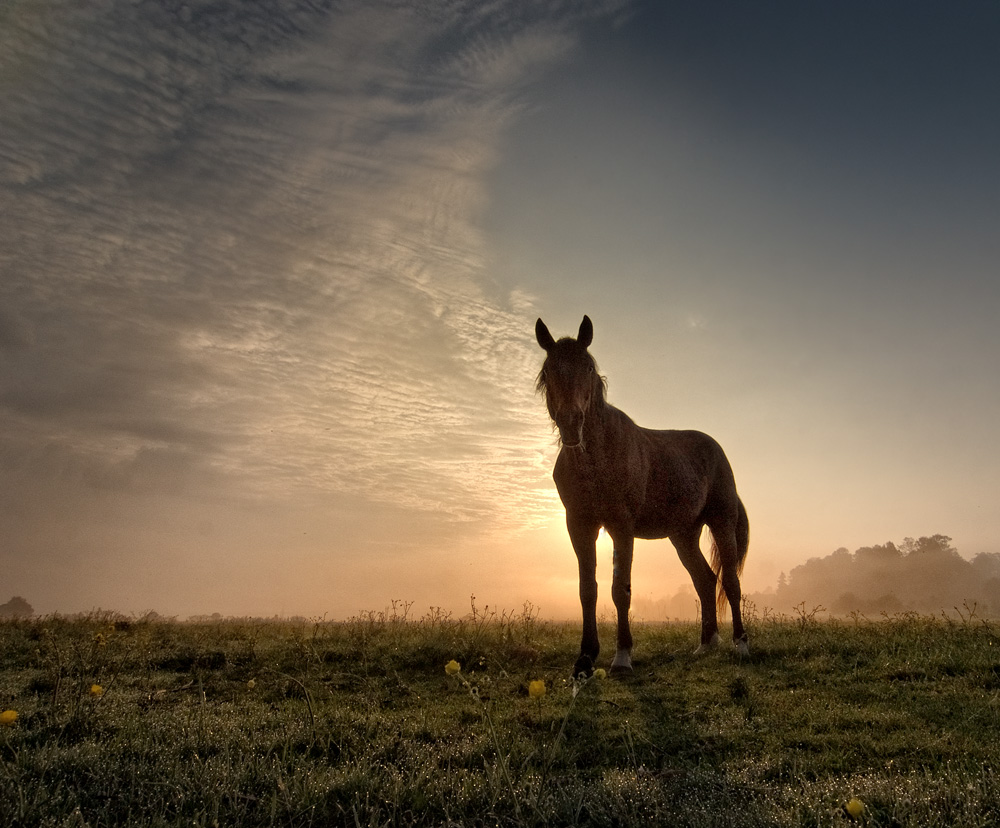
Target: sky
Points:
(269, 275)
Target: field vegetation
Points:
(119, 721)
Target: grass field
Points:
(265, 723)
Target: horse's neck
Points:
(588, 465)
(599, 430)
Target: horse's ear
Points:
(543, 336)
(586, 335)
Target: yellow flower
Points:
(251, 684)
(8, 717)
(536, 688)
(96, 690)
(855, 808)
(600, 673)
(453, 668)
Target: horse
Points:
(638, 483)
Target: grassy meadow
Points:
(246, 723)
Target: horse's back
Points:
(686, 451)
(689, 476)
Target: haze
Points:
(269, 274)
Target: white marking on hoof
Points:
(713, 642)
(742, 649)
(622, 662)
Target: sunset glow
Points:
(269, 284)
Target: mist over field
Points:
(924, 576)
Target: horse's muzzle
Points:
(570, 425)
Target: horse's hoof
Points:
(742, 648)
(622, 664)
(584, 667)
(709, 645)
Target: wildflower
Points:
(8, 717)
(453, 668)
(536, 688)
(855, 808)
(251, 684)
(600, 673)
(99, 640)
(96, 690)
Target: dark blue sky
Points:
(884, 113)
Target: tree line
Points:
(926, 575)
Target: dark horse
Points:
(638, 483)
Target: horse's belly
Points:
(665, 519)
(649, 531)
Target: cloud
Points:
(244, 257)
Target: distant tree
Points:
(924, 575)
(938, 545)
(986, 565)
(885, 553)
(985, 569)
(16, 607)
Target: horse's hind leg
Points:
(704, 580)
(728, 541)
(731, 584)
(742, 547)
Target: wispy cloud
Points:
(242, 254)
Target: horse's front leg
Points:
(584, 540)
(621, 594)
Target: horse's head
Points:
(570, 380)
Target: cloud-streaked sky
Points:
(269, 274)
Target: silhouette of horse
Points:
(638, 483)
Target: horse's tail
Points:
(742, 547)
